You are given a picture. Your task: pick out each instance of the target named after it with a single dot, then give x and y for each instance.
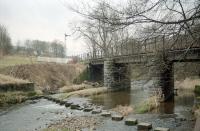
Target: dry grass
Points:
(123, 110)
(14, 97)
(67, 89)
(147, 105)
(187, 83)
(85, 92)
(47, 76)
(4, 79)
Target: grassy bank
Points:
(47, 77)
(8, 61)
(147, 105)
(14, 97)
(14, 90)
(85, 92)
(67, 89)
(4, 79)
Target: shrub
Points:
(197, 89)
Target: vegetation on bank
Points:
(14, 97)
(67, 89)
(147, 105)
(197, 89)
(48, 77)
(85, 92)
(84, 75)
(4, 79)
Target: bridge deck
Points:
(182, 55)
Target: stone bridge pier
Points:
(163, 76)
(116, 76)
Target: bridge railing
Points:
(151, 45)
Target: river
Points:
(38, 114)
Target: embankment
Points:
(46, 76)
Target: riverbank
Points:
(14, 90)
(48, 77)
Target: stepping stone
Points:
(80, 108)
(106, 114)
(88, 109)
(54, 100)
(57, 101)
(117, 117)
(144, 126)
(74, 106)
(131, 121)
(97, 111)
(49, 98)
(62, 102)
(161, 129)
(68, 104)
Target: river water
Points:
(38, 114)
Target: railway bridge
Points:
(159, 54)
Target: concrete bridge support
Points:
(163, 77)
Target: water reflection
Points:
(128, 97)
(181, 103)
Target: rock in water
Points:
(117, 117)
(106, 114)
(97, 111)
(130, 121)
(161, 129)
(144, 126)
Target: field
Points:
(16, 60)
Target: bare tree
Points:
(5, 41)
(152, 18)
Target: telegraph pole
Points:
(66, 40)
(66, 44)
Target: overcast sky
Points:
(40, 19)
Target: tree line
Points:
(5, 41)
(29, 47)
(40, 48)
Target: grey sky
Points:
(40, 19)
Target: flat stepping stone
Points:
(57, 101)
(80, 108)
(88, 109)
(68, 104)
(161, 129)
(74, 106)
(131, 121)
(62, 102)
(144, 126)
(117, 117)
(97, 111)
(53, 99)
(106, 114)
